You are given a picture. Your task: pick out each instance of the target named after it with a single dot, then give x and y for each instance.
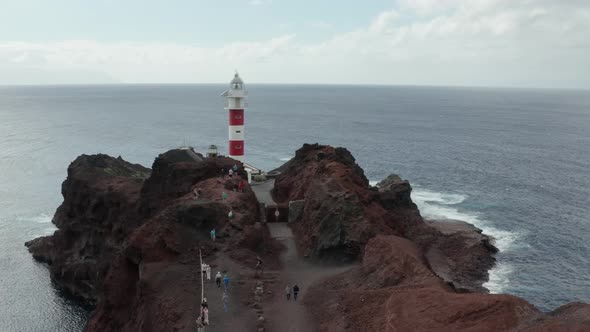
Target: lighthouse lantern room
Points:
(236, 104)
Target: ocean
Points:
(513, 162)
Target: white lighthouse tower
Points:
(236, 104)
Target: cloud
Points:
(448, 42)
(383, 21)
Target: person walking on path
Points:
(231, 173)
(226, 282)
(288, 292)
(235, 168)
(295, 292)
(208, 271)
(241, 186)
(206, 316)
(224, 196)
(230, 215)
(218, 278)
(212, 233)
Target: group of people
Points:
(295, 291)
(233, 170)
(219, 279)
(203, 319)
(206, 268)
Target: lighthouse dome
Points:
(236, 82)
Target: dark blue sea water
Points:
(513, 162)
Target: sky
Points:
(507, 43)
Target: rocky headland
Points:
(129, 237)
(128, 241)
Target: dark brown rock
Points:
(128, 237)
(100, 198)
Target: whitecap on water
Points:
(441, 206)
(426, 196)
(49, 231)
(499, 278)
(42, 218)
(285, 159)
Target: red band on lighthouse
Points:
(236, 117)
(236, 148)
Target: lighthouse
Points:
(236, 104)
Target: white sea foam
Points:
(373, 183)
(441, 206)
(285, 159)
(427, 196)
(42, 218)
(499, 278)
(49, 230)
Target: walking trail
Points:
(282, 315)
(292, 316)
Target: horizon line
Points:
(507, 87)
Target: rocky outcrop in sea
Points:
(129, 237)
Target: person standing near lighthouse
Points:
(236, 104)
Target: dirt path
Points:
(292, 316)
(239, 316)
(263, 192)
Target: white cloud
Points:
(383, 21)
(456, 42)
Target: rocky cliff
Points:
(341, 213)
(416, 275)
(101, 196)
(128, 240)
(128, 237)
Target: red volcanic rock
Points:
(313, 161)
(570, 317)
(394, 290)
(341, 213)
(394, 261)
(128, 237)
